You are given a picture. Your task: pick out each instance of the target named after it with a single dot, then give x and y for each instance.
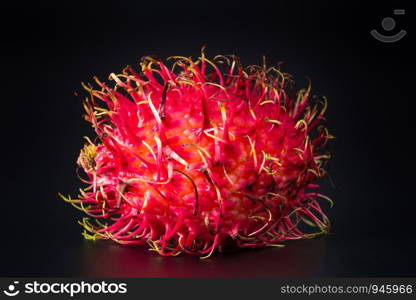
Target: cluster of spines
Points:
(130, 225)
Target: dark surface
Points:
(325, 257)
(47, 51)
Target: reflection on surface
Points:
(297, 259)
(330, 256)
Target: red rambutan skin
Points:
(201, 155)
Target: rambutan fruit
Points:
(202, 155)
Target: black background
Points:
(47, 50)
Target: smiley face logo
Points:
(11, 289)
(388, 24)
